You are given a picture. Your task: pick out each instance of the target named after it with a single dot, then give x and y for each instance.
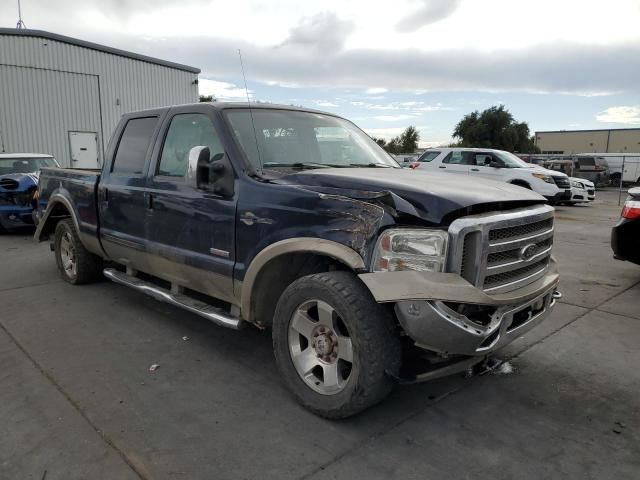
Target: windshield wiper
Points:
(297, 165)
(370, 165)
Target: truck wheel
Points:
(76, 264)
(336, 348)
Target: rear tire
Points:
(75, 263)
(335, 347)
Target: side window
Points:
(428, 156)
(454, 158)
(482, 159)
(186, 131)
(133, 146)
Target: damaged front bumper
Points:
(444, 313)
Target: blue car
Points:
(18, 183)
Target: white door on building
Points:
(84, 149)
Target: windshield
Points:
(294, 139)
(25, 165)
(511, 161)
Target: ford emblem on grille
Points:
(528, 251)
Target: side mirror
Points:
(211, 174)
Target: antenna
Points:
(20, 25)
(253, 124)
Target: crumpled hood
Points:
(428, 195)
(18, 182)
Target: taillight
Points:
(631, 209)
(599, 168)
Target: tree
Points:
(406, 142)
(496, 128)
(409, 140)
(206, 98)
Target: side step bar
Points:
(185, 302)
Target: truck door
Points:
(190, 232)
(121, 196)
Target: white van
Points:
(614, 160)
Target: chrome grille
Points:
(503, 251)
(561, 182)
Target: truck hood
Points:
(437, 198)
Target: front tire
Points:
(75, 263)
(335, 347)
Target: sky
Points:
(556, 64)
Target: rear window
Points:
(133, 146)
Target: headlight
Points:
(400, 249)
(543, 177)
(577, 184)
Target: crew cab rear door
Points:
(121, 190)
(190, 233)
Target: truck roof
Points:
(234, 105)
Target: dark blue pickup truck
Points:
(296, 220)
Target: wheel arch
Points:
(58, 207)
(281, 263)
(521, 183)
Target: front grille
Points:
(561, 182)
(504, 251)
(520, 230)
(493, 281)
(9, 183)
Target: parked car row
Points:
(485, 163)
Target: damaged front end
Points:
(16, 200)
(499, 282)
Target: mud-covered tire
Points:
(85, 267)
(373, 336)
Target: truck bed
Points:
(77, 187)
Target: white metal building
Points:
(64, 96)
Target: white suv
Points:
(497, 165)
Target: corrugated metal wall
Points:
(71, 85)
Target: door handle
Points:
(475, 169)
(104, 204)
(442, 166)
(149, 201)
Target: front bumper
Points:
(563, 196)
(427, 306)
(12, 217)
(435, 326)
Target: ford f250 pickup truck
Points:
(368, 274)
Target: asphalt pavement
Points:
(77, 399)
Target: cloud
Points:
(222, 90)
(323, 32)
(375, 91)
(392, 118)
(325, 103)
(628, 115)
(551, 68)
(430, 11)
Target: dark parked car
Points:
(18, 183)
(297, 220)
(625, 236)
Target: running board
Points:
(179, 300)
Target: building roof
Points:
(24, 155)
(589, 130)
(95, 46)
